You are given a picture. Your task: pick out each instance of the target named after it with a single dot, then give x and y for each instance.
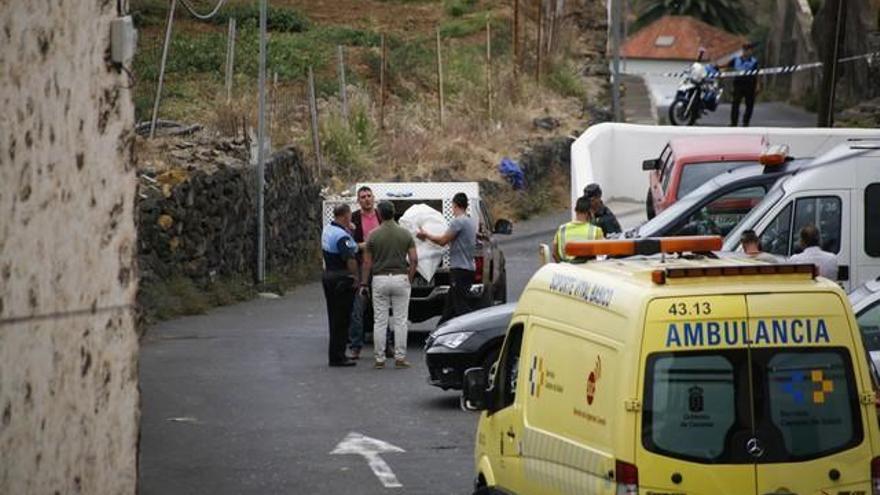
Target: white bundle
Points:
(422, 216)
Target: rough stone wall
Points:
(204, 226)
(68, 346)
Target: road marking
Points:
(370, 448)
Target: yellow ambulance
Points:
(677, 374)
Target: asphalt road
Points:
(240, 400)
(765, 114)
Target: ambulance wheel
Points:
(485, 490)
(649, 206)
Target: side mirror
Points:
(652, 164)
(475, 390)
(503, 227)
(544, 254)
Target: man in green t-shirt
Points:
(390, 255)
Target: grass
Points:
(350, 146)
(458, 8)
(153, 13)
(469, 25)
(564, 80)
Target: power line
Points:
(203, 17)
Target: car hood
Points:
(488, 318)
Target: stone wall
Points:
(199, 220)
(68, 346)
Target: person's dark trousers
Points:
(339, 292)
(458, 298)
(742, 93)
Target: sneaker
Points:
(354, 354)
(402, 363)
(379, 365)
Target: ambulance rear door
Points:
(810, 426)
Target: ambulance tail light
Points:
(660, 277)
(646, 246)
(774, 155)
(875, 476)
(627, 477)
(478, 269)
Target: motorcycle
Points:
(697, 95)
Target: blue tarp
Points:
(512, 172)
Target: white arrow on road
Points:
(370, 448)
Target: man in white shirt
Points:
(812, 253)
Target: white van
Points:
(840, 194)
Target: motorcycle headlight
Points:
(698, 72)
(452, 340)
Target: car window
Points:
(691, 404)
(777, 236)
(694, 175)
(825, 213)
(812, 402)
(721, 215)
(872, 226)
(507, 371)
(869, 324)
(668, 162)
(731, 242)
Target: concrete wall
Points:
(662, 88)
(68, 346)
(612, 154)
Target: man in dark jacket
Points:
(745, 87)
(602, 216)
(365, 221)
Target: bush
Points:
(458, 8)
(564, 80)
(350, 146)
(280, 19)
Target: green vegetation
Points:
(150, 13)
(351, 146)
(564, 80)
(725, 14)
(458, 8)
(466, 26)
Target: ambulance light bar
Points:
(659, 277)
(774, 155)
(646, 246)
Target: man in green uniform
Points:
(580, 229)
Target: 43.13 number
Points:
(698, 308)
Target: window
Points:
(721, 215)
(705, 406)
(666, 163)
(872, 226)
(824, 213)
(776, 238)
(695, 175)
(693, 404)
(781, 237)
(869, 324)
(812, 403)
(507, 370)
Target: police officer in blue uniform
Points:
(744, 87)
(340, 281)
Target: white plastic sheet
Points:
(431, 221)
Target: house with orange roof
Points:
(671, 44)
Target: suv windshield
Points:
(697, 404)
(693, 175)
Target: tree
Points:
(725, 14)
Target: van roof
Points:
(633, 276)
(421, 190)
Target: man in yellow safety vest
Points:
(580, 229)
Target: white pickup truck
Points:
(428, 296)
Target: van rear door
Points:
(810, 427)
(697, 417)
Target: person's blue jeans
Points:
(356, 328)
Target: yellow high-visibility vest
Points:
(575, 231)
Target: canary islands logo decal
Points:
(593, 380)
